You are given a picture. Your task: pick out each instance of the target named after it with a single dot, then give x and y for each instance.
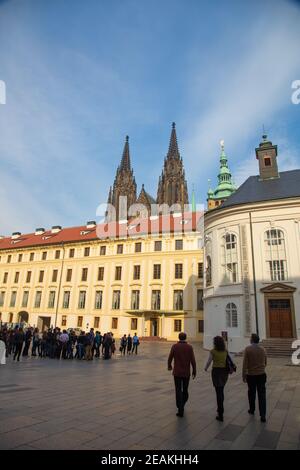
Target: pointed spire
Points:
(173, 146)
(193, 200)
(210, 191)
(125, 162)
(225, 187)
(109, 200)
(223, 157)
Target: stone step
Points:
(281, 347)
(152, 338)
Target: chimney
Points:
(55, 228)
(39, 231)
(91, 224)
(15, 235)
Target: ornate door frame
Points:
(279, 291)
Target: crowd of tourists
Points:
(64, 344)
(55, 343)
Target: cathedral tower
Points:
(172, 185)
(124, 185)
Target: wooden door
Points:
(280, 318)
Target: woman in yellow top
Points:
(218, 357)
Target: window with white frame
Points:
(231, 315)
(208, 263)
(275, 255)
(178, 300)
(116, 301)
(66, 299)
(229, 258)
(51, 301)
(82, 298)
(38, 299)
(2, 297)
(25, 299)
(98, 299)
(155, 300)
(135, 300)
(13, 299)
(208, 270)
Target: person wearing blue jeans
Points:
(135, 342)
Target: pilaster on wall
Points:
(246, 281)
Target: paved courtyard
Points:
(128, 403)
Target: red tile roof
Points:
(112, 230)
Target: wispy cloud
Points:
(246, 91)
(78, 79)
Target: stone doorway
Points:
(279, 311)
(154, 327)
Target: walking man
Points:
(135, 342)
(183, 355)
(129, 344)
(89, 345)
(254, 366)
(107, 345)
(123, 345)
(97, 343)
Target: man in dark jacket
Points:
(107, 344)
(19, 339)
(28, 336)
(183, 355)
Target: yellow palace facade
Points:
(149, 283)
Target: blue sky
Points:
(80, 75)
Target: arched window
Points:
(208, 263)
(275, 255)
(208, 271)
(229, 258)
(231, 315)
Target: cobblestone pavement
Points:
(129, 403)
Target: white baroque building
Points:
(252, 258)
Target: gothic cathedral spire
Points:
(124, 186)
(172, 186)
